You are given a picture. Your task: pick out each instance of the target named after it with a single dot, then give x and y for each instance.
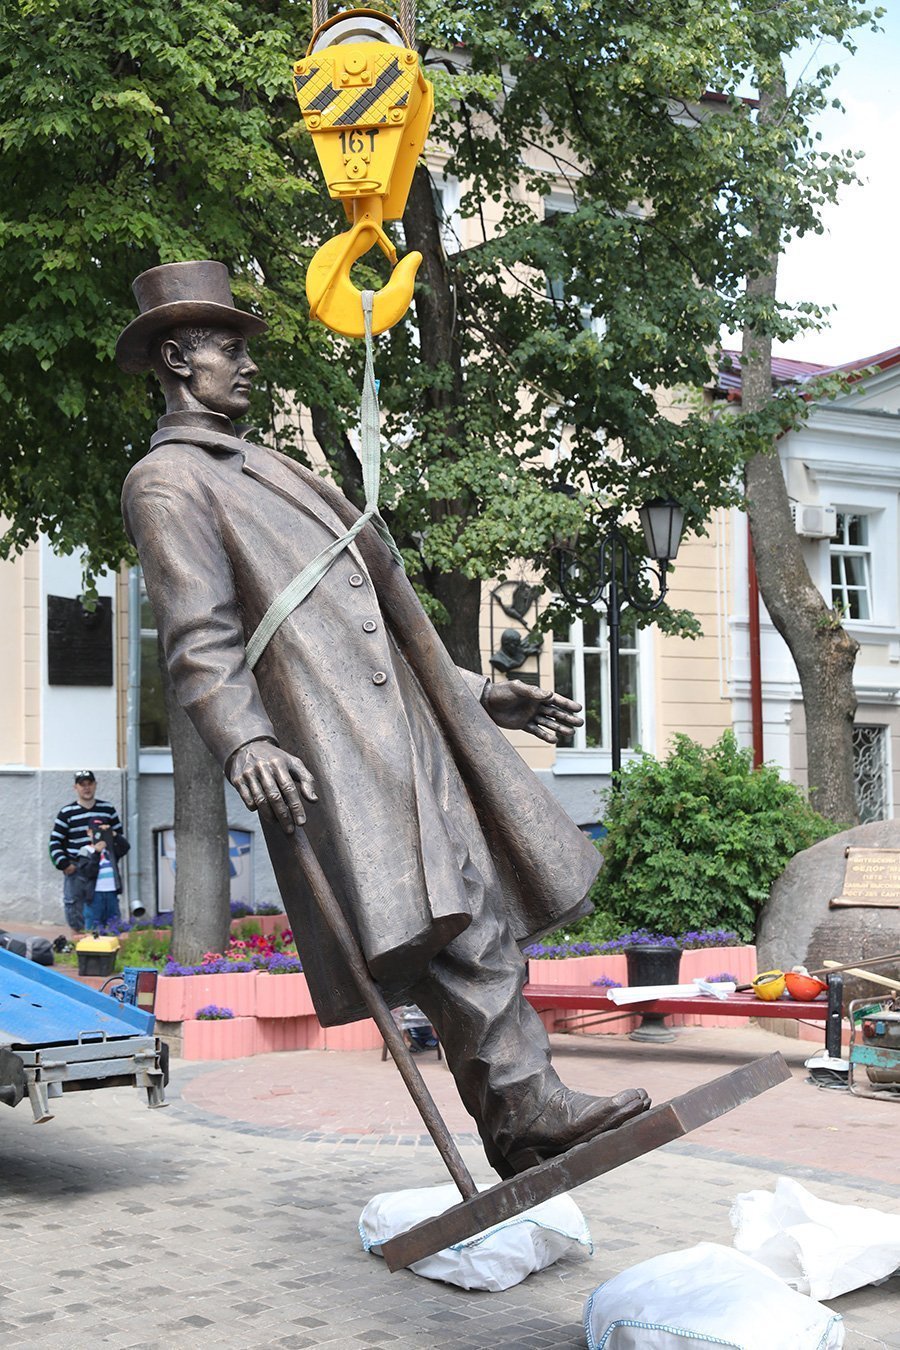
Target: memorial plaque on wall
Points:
(871, 878)
(79, 641)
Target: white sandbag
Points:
(496, 1259)
(819, 1247)
(705, 1295)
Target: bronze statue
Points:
(442, 847)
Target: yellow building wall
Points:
(690, 675)
(20, 689)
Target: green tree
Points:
(138, 133)
(696, 840)
(133, 134)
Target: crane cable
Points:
(407, 17)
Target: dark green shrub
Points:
(696, 840)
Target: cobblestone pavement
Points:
(229, 1219)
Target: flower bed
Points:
(260, 980)
(583, 963)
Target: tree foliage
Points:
(138, 133)
(696, 840)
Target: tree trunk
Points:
(823, 652)
(436, 311)
(461, 597)
(339, 452)
(202, 911)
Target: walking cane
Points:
(374, 999)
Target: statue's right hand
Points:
(272, 782)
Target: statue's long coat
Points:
(221, 529)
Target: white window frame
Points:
(559, 202)
(153, 759)
(597, 759)
(448, 189)
(874, 494)
(887, 758)
(840, 549)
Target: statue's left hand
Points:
(272, 782)
(522, 707)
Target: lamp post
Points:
(612, 581)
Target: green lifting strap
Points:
(370, 457)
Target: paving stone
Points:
(205, 1226)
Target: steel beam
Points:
(658, 1126)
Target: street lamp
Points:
(610, 579)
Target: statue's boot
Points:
(571, 1118)
(498, 1051)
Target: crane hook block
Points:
(368, 109)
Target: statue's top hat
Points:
(192, 294)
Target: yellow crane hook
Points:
(368, 108)
(332, 296)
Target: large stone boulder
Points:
(798, 928)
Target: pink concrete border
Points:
(179, 996)
(289, 1033)
(362, 1035)
(268, 924)
(283, 996)
(583, 970)
(230, 1038)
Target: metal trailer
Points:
(57, 1036)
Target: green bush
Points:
(696, 840)
(141, 947)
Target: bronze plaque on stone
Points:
(871, 878)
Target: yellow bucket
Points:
(769, 985)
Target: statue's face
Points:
(221, 371)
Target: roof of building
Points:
(786, 371)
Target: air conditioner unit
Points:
(813, 522)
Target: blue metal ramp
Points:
(38, 1006)
(59, 1036)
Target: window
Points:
(581, 672)
(557, 204)
(561, 204)
(851, 567)
(445, 194)
(870, 773)
(154, 723)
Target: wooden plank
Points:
(660, 1125)
(586, 998)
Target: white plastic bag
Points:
(705, 1295)
(820, 1248)
(496, 1259)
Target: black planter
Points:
(649, 964)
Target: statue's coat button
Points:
(379, 677)
(356, 579)
(370, 626)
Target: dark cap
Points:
(84, 776)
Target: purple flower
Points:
(605, 982)
(709, 937)
(639, 937)
(724, 978)
(213, 1013)
(283, 963)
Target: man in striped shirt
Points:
(72, 832)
